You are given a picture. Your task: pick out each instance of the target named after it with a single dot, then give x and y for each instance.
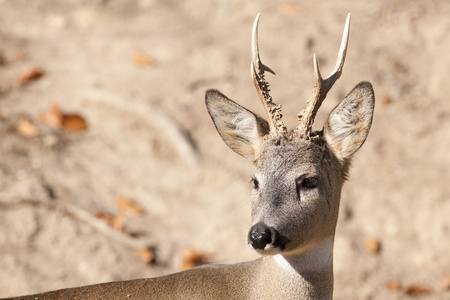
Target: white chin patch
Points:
(282, 263)
(268, 250)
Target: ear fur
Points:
(240, 129)
(349, 123)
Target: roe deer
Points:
(296, 194)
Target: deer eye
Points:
(255, 183)
(310, 182)
(307, 183)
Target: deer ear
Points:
(349, 123)
(241, 130)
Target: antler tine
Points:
(262, 86)
(322, 86)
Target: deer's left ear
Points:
(349, 123)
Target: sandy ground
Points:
(149, 137)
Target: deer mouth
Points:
(266, 240)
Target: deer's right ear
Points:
(241, 130)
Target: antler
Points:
(321, 87)
(262, 86)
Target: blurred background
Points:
(111, 169)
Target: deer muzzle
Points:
(262, 237)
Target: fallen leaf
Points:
(142, 59)
(394, 285)
(29, 74)
(129, 207)
(69, 122)
(385, 100)
(147, 255)
(192, 258)
(399, 65)
(73, 122)
(290, 9)
(119, 222)
(53, 117)
(26, 128)
(115, 221)
(417, 289)
(105, 217)
(444, 284)
(373, 245)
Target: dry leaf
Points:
(385, 100)
(29, 74)
(52, 117)
(290, 9)
(73, 122)
(417, 289)
(119, 222)
(26, 128)
(147, 255)
(142, 59)
(105, 217)
(373, 245)
(115, 221)
(129, 207)
(444, 284)
(69, 122)
(192, 258)
(394, 285)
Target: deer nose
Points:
(260, 235)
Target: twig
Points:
(80, 214)
(174, 130)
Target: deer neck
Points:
(307, 274)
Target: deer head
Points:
(299, 174)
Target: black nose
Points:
(260, 235)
